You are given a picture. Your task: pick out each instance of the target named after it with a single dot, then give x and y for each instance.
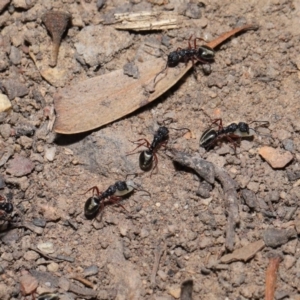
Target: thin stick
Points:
(210, 172)
(271, 276)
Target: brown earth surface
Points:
(201, 233)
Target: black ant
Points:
(146, 158)
(6, 208)
(233, 131)
(203, 54)
(114, 194)
(160, 139)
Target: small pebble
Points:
(46, 247)
(293, 175)
(276, 237)
(249, 197)
(53, 267)
(289, 261)
(15, 55)
(14, 88)
(50, 153)
(100, 4)
(288, 145)
(31, 255)
(90, 271)
(28, 284)
(5, 131)
(174, 292)
(7, 256)
(39, 222)
(275, 157)
(162, 275)
(4, 103)
(193, 11)
(20, 166)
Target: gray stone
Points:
(112, 41)
(20, 166)
(249, 197)
(15, 55)
(14, 88)
(276, 237)
(288, 144)
(92, 270)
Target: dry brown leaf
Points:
(103, 99)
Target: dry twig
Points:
(210, 172)
(271, 276)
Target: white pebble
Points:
(50, 153)
(4, 103)
(46, 247)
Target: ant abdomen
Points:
(91, 207)
(146, 160)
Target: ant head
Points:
(173, 59)
(262, 124)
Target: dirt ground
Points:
(180, 231)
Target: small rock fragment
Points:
(64, 284)
(288, 145)
(20, 166)
(39, 222)
(4, 103)
(56, 23)
(46, 247)
(289, 261)
(249, 197)
(100, 4)
(28, 284)
(31, 255)
(53, 267)
(50, 153)
(244, 253)
(162, 275)
(33, 228)
(275, 157)
(89, 271)
(14, 88)
(193, 11)
(293, 175)
(175, 292)
(7, 256)
(5, 130)
(15, 55)
(274, 237)
(131, 69)
(3, 4)
(24, 4)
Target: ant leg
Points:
(94, 189)
(162, 71)
(155, 164)
(200, 39)
(216, 121)
(113, 200)
(230, 139)
(190, 47)
(145, 143)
